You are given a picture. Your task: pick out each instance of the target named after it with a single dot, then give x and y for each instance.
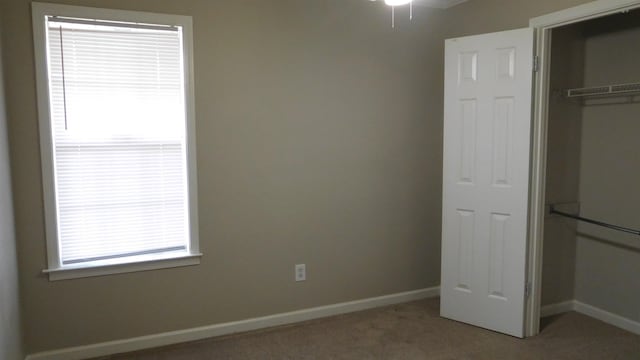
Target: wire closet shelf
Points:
(605, 90)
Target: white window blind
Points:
(118, 126)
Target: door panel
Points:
(488, 89)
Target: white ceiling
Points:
(439, 4)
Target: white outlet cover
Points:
(301, 272)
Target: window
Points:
(117, 140)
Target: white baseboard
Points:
(609, 318)
(592, 311)
(193, 334)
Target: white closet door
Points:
(487, 122)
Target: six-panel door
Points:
(487, 123)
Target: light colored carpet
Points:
(408, 331)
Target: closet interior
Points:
(593, 166)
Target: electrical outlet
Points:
(301, 272)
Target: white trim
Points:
(537, 185)
(594, 312)
(558, 308)
(193, 334)
(190, 106)
(42, 88)
(67, 273)
(609, 318)
(543, 26)
(41, 8)
(39, 12)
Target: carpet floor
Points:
(408, 331)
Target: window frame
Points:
(56, 270)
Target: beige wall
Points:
(10, 335)
(563, 162)
(319, 132)
(608, 262)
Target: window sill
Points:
(142, 263)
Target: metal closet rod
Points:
(595, 222)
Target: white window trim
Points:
(148, 262)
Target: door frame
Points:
(543, 26)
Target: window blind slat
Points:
(118, 124)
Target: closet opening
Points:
(591, 252)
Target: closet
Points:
(593, 168)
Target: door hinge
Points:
(527, 290)
(536, 63)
